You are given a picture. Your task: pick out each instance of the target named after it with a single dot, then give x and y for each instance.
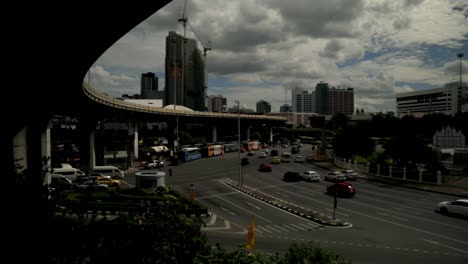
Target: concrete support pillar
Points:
(92, 149)
(404, 173)
(20, 150)
(439, 177)
(133, 130)
(248, 133)
(214, 134)
(390, 171)
(46, 153)
(420, 175)
(271, 134)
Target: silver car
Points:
(459, 207)
(310, 176)
(335, 176)
(350, 175)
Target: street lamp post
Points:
(239, 142)
(176, 141)
(460, 55)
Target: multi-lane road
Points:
(388, 224)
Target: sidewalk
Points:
(457, 188)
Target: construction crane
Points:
(205, 47)
(184, 19)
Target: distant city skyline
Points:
(259, 47)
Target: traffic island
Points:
(291, 208)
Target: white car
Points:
(92, 185)
(262, 155)
(350, 175)
(310, 176)
(459, 207)
(299, 159)
(335, 176)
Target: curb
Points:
(290, 210)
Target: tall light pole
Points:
(460, 55)
(176, 142)
(239, 142)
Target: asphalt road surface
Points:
(389, 224)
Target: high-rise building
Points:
(330, 101)
(285, 108)
(186, 75)
(149, 87)
(321, 90)
(340, 101)
(217, 104)
(449, 99)
(263, 107)
(302, 101)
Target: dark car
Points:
(274, 152)
(265, 167)
(292, 176)
(341, 189)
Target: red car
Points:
(341, 189)
(264, 167)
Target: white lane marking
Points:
(282, 228)
(212, 220)
(337, 212)
(401, 218)
(264, 229)
(314, 225)
(217, 195)
(409, 211)
(271, 228)
(282, 194)
(243, 209)
(226, 226)
(228, 211)
(440, 244)
(290, 227)
(301, 228)
(306, 226)
(254, 206)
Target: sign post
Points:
(335, 205)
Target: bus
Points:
(188, 154)
(213, 150)
(231, 147)
(255, 145)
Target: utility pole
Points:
(176, 141)
(460, 55)
(239, 142)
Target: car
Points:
(92, 185)
(250, 153)
(275, 160)
(310, 176)
(294, 150)
(60, 182)
(342, 189)
(350, 175)
(108, 181)
(244, 161)
(299, 159)
(154, 164)
(335, 176)
(458, 207)
(262, 155)
(265, 167)
(274, 152)
(292, 176)
(95, 175)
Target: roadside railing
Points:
(392, 172)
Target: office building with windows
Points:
(449, 99)
(302, 101)
(263, 107)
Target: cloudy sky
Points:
(260, 48)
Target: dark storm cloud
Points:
(401, 23)
(328, 18)
(332, 48)
(239, 63)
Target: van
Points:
(111, 171)
(70, 173)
